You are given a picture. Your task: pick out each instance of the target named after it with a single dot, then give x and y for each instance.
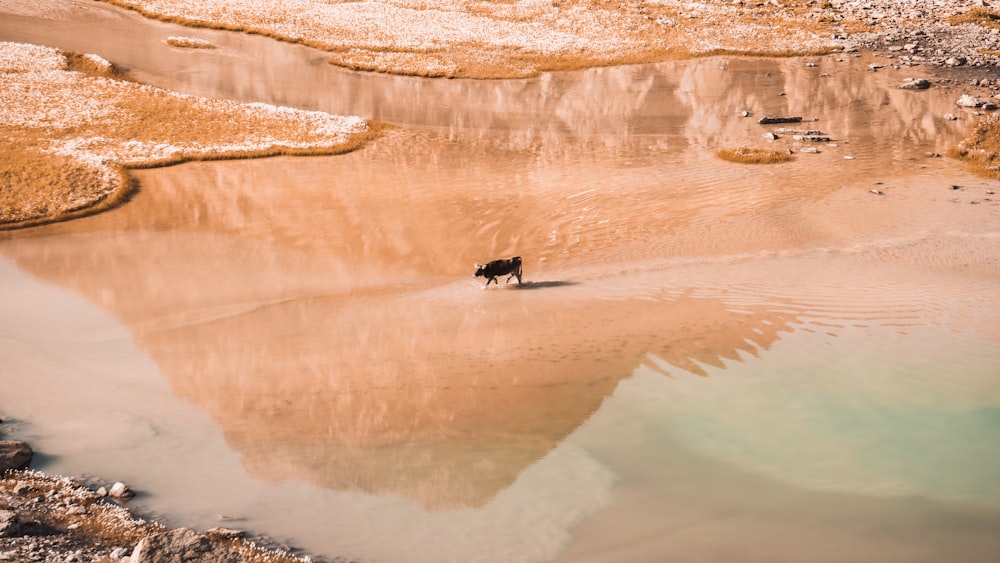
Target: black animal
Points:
(510, 268)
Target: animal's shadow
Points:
(542, 284)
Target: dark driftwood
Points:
(768, 120)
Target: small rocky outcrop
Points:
(183, 545)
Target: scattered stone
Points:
(915, 84)
(956, 187)
(744, 113)
(848, 157)
(950, 117)
(875, 66)
(102, 492)
(933, 155)
(876, 191)
(770, 136)
(810, 150)
(955, 61)
(14, 454)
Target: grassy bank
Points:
(71, 127)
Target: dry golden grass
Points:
(979, 15)
(70, 127)
(981, 149)
(750, 155)
(38, 187)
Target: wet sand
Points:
(707, 360)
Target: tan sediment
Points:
(72, 127)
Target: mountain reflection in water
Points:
(322, 312)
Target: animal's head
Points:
(479, 270)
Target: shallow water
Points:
(708, 361)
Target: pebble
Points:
(121, 490)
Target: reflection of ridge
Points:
(354, 396)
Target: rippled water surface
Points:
(707, 361)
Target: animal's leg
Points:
(518, 274)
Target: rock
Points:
(955, 61)
(22, 488)
(117, 553)
(810, 150)
(121, 490)
(876, 191)
(969, 101)
(14, 454)
(10, 524)
(102, 492)
(950, 117)
(770, 136)
(182, 545)
(915, 84)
